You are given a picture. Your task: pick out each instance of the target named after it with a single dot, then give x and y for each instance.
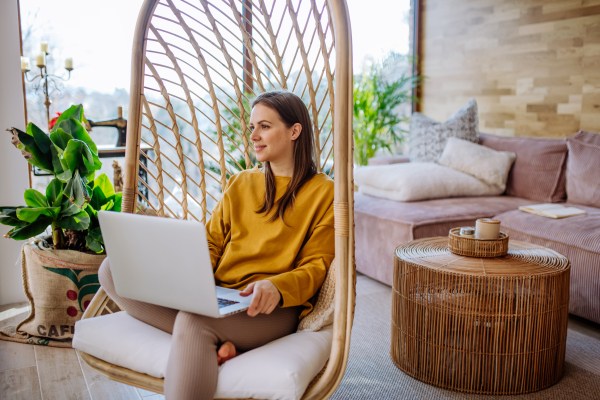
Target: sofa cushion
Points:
(538, 172)
(281, 369)
(577, 238)
(489, 165)
(583, 169)
(382, 225)
(416, 181)
(428, 137)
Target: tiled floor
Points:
(36, 372)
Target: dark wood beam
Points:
(249, 84)
(416, 51)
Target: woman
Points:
(270, 235)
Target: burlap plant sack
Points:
(59, 285)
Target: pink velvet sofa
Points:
(539, 175)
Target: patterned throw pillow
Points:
(428, 137)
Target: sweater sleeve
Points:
(218, 228)
(302, 283)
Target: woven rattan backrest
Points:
(204, 62)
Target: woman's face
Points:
(273, 141)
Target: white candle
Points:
(45, 47)
(486, 228)
(69, 63)
(24, 63)
(41, 59)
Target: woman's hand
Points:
(266, 297)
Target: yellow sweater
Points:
(245, 247)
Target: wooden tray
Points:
(471, 247)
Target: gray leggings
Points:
(192, 370)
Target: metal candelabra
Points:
(48, 83)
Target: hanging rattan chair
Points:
(196, 65)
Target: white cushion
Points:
(281, 369)
(491, 166)
(125, 341)
(419, 181)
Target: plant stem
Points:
(57, 237)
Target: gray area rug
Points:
(371, 374)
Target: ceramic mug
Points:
(487, 228)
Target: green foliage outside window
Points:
(232, 140)
(377, 122)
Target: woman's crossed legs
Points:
(192, 369)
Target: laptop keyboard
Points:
(226, 303)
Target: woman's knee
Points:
(190, 324)
(105, 276)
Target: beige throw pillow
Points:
(416, 181)
(489, 165)
(322, 313)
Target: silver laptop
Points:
(165, 261)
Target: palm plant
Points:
(377, 123)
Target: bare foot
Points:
(226, 352)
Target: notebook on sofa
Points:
(550, 210)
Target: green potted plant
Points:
(60, 272)
(377, 123)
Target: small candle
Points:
(467, 231)
(487, 228)
(41, 60)
(45, 47)
(24, 64)
(69, 63)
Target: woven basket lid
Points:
(523, 259)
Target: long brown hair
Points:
(292, 111)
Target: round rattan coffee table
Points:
(480, 325)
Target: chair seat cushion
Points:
(281, 369)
